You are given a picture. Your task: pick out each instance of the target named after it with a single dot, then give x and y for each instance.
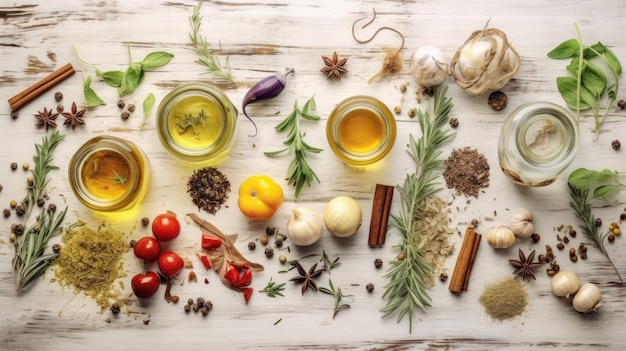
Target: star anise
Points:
(525, 266)
(46, 118)
(306, 278)
(334, 67)
(74, 118)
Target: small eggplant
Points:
(266, 88)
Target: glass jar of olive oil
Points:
(109, 174)
(196, 122)
(537, 142)
(361, 130)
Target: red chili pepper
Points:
(245, 279)
(231, 273)
(205, 261)
(209, 242)
(247, 293)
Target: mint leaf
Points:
(131, 79)
(613, 62)
(91, 97)
(566, 49)
(567, 86)
(594, 79)
(157, 59)
(582, 177)
(112, 78)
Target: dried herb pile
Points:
(504, 299)
(467, 171)
(209, 189)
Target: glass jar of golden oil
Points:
(196, 122)
(109, 174)
(361, 130)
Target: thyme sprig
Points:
(406, 288)
(200, 46)
(30, 259)
(580, 182)
(299, 171)
(272, 289)
(338, 295)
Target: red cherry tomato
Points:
(165, 227)
(147, 249)
(145, 284)
(170, 263)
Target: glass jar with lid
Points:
(537, 142)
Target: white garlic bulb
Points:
(500, 237)
(342, 216)
(588, 298)
(564, 283)
(429, 66)
(521, 223)
(304, 226)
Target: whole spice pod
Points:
(267, 88)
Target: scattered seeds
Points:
(467, 171)
(209, 189)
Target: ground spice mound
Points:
(432, 234)
(504, 299)
(467, 171)
(209, 189)
(91, 261)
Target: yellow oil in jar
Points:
(361, 130)
(106, 174)
(195, 123)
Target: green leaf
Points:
(566, 49)
(583, 177)
(112, 78)
(601, 192)
(157, 59)
(573, 66)
(132, 77)
(91, 97)
(594, 79)
(613, 62)
(147, 104)
(567, 86)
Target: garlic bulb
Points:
(429, 66)
(342, 216)
(304, 226)
(588, 298)
(564, 283)
(521, 223)
(500, 237)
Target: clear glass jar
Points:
(196, 122)
(537, 142)
(361, 130)
(109, 174)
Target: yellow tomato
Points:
(259, 197)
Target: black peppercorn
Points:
(204, 310)
(251, 245)
(56, 248)
(369, 287)
(598, 222)
(60, 108)
(187, 308)
(14, 114)
(615, 144)
(378, 263)
(41, 202)
(498, 100)
(443, 277)
(610, 238)
(131, 107)
(115, 308)
(13, 166)
(58, 96)
(278, 242)
(621, 104)
(145, 221)
(125, 115)
(121, 104)
(6, 212)
(454, 122)
(560, 246)
(572, 232)
(132, 243)
(534, 238)
(20, 210)
(622, 216)
(18, 229)
(52, 208)
(269, 252)
(200, 301)
(270, 230)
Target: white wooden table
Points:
(261, 39)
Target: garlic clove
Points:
(429, 66)
(521, 223)
(304, 226)
(564, 283)
(500, 237)
(588, 298)
(342, 216)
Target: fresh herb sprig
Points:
(272, 289)
(30, 260)
(580, 184)
(589, 84)
(406, 288)
(299, 171)
(327, 263)
(338, 295)
(200, 46)
(147, 105)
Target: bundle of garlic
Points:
(485, 61)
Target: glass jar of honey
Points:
(196, 122)
(361, 130)
(109, 174)
(537, 142)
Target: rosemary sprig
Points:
(200, 46)
(272, 289)
(119, 179)
(329, 264)
(406, 288)
(338, 295)
(299, 171)
(30, 261)
(579, 182)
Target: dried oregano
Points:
(209, 189)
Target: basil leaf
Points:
(582, 177)
(112, 78)
(613, 62)
(566, 49)
(594, 79)
(147, 104)
(601, 192)
(91, 97)
(157, 59)
(132, 77)
(567, 86)
(573, 66)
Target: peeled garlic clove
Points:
(588, 298)
(521, 223)
(429, 66)
(564, 283)
(342, 216)
(304, 226)
(500, 237)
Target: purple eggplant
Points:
(266, 88)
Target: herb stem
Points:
(579, 71)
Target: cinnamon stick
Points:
(471, 262)
(41, 86)
(383, 195)
(460, 273)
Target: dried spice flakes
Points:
(467, 171)
(209, 189)
(504, 298)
